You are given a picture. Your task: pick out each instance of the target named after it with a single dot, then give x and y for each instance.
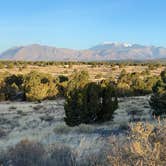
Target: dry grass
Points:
(2, 133)
(29, 153)
(105, 71)
(25, 153)
(62, 129)
(145, 145)
(82, 128)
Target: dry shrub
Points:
(96, 159)
(61, 155)
(84, 128)
(38, 107)
(2, 133)
(25, 153)
(29, 153)
(145, 146)
(62, 129)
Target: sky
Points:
(81, 24)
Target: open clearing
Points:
(44, 122)
(105, 71)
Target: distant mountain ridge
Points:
(106, 51)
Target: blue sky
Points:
(81, 24)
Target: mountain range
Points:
(102, 52)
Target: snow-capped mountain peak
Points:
(117, 44)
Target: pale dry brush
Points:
(146, 145)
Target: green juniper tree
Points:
(89, 102)
(158, 98)
(109, 103)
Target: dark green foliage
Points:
(75, 96)
(158, 103)
(73, 108)
(62, 88)
(63, 78)
(31, 87)
(109, 104)
(163, 76)
(152, 64)
(17, 79)
(62, 85)
(158, 99)
(89, 102)
(12, 86)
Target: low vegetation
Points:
(39, 86)
(87, 101)
(34, 86)
(145, 145)
(135, 84)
